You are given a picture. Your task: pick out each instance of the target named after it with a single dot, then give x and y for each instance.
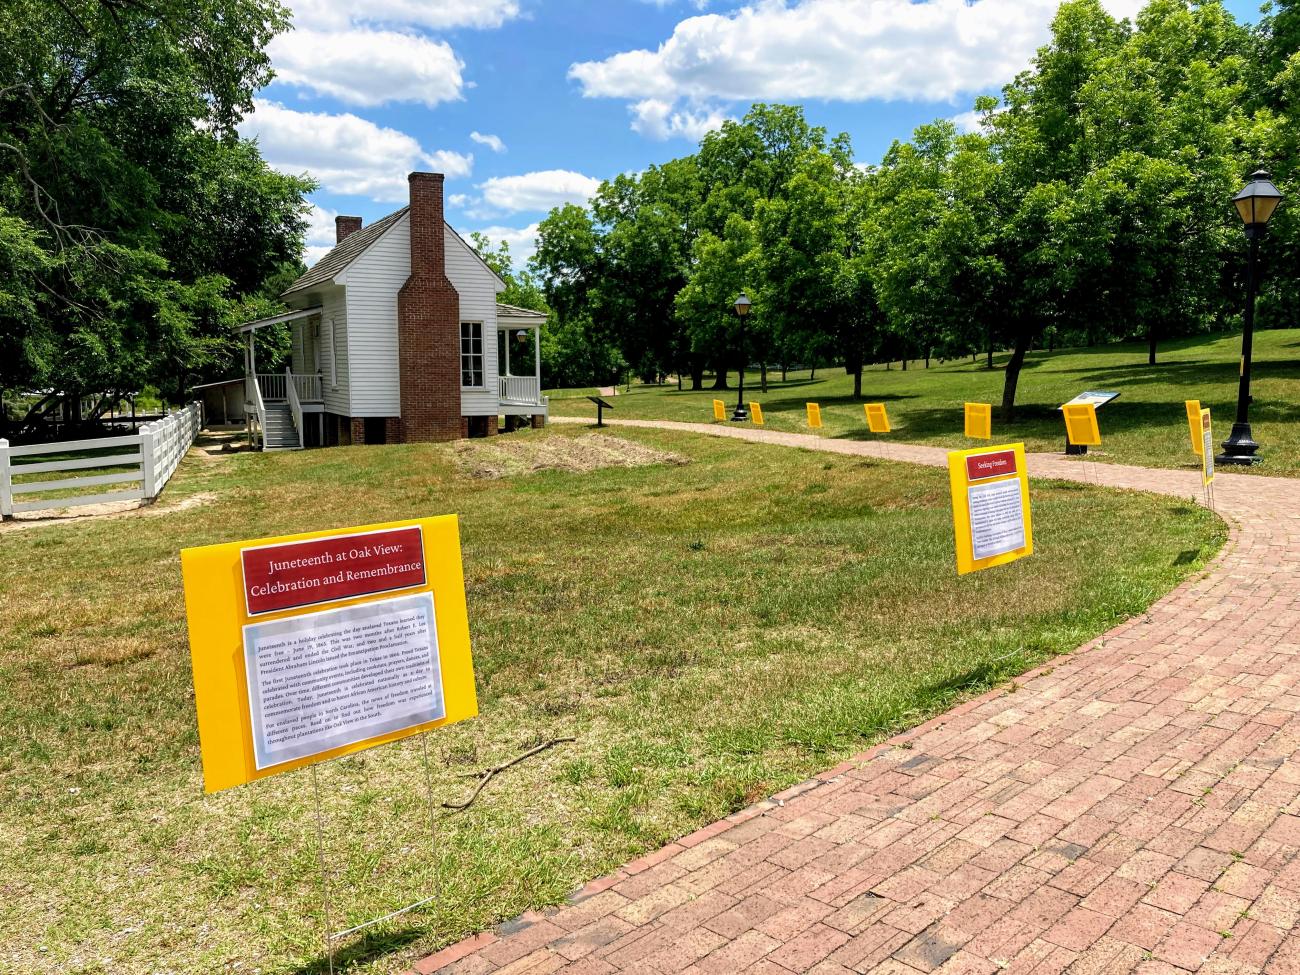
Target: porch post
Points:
(537, 360)
(507, 345)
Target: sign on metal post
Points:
(1096, 398)
(1193, 407)
(990, 506)
(1081, 428)
(601, 407)
(877, 417)
(1207, 456)
(310, 647)
(979, 421)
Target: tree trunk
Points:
(1151, 345)
(1013, 377)
(679, 380)
(785, 368)
(812, 373)
(720, 382)
(857, 381)
(927, 358)
(762, 375)
(974, 357)
(697, 375)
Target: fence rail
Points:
(150, 458)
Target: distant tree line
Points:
(1092, 204)
(136, 226)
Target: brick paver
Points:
(1133, 807)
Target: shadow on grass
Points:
(372, 946)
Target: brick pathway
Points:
(1133, 807)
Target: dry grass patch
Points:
(523, 453)
(709, 633)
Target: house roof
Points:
(354, 245)
(514, 311)
(287, 316)
(343, 254)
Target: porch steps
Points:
(278, 431)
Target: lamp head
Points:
(743, 304)
(1257, 201)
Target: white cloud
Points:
(657, 119)
(968, 121)
(845, 50)
(347, 154)
(493, 142)
(538, 191)
(522, 241)
(458, 199)
(432, 14)
(320, 233)
(368, 67)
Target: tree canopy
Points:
(1092, 203)
(135, 224)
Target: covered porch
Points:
(282, 409)
(519, 348)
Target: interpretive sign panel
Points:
(979, 421)
(814, 415)
(1093, 397)
(326, 569)
(280, 682)
(1207, 448)
(756, 414)
(877, 417)
(322, 680)
(990, 506)
(719, 410)
(1193, 407)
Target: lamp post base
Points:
(740, 416)
(1239, 448)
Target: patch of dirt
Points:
(511, 455)
(98, 512)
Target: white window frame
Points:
(469, 356)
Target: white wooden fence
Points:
(150, 458)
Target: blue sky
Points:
(526, 104)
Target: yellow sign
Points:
(1207, 448)
(1081, 424)
(877, 418)
(1193, 407)
(990, 506)
(756, 414)
(979, 421)
(309, 647)
(814, 415)
(719, 410)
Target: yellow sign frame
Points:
(877, 417)
(1207, 456)
(979, 421)
(719, 410)
(814, 412)
(756, 414)
(960, 483)
(1081, 428)
(217, 614)
(1193, 408)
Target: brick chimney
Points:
(344, 226)
(428, 324)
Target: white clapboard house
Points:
(397, 337)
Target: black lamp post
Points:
(1255, 204)
(742, 306)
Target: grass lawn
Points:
(1147, 425)
(710, 631)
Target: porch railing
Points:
(295, 407)
(520, 389)
(307, 386)
(274, 385)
